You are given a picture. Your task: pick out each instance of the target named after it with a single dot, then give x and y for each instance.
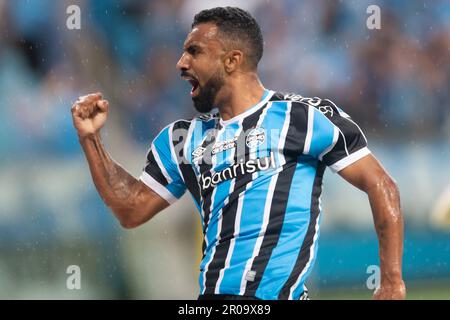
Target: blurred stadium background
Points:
(395, 82)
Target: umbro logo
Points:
(198, 153)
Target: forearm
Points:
(385, 203)
(117, 187)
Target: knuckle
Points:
(95, 96)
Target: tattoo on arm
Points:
(114, 184)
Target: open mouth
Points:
(195, 85)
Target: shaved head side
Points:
(237, 29)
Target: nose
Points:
(183, 63)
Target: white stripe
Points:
(239, 208)
(202, 214)
(214, 156)
(239, 211)
(188, 156)
(254, 176)
(160, 164)
(162, 191)
(196, 167)
(348, 160)
(249, 111)
(347, 117)
(232, 184)
(237, 223)
(283, 134)
(263, 114)
(362, 133)
(309, 130)
(233, 151)
(207, 133)
(187, 143)
(210, 214)
(331, 146)
(304, 295)
(197, 163)
(345, 141)
(343, 113)
(335, 126)
(219, 229)
(172, 152)
(258, 124)
(238, 133)
(311, 257)
(201, 199)
(259, 240)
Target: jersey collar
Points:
(266, 97)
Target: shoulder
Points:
(207, 117)
(178, 130)
(298, 99)
(325, 106)
(187, 123)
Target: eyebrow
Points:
(193, 45)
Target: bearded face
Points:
(205, 96)
(202, 66)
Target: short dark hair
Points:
(238, 26)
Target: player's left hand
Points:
(390, 291)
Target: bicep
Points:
(365, 173)
(148, 203)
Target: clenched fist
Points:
(396, 291)
(89, 114)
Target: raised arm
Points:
(131, 201)
(368, 175)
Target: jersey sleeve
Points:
(161, 172)
(333, 137)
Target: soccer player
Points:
(254, 169)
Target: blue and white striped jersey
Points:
(256, 180)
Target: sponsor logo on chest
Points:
(254, 138)
(208, 179)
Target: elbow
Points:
(134, 219)
(392, 187)
(126, 224)
(385, 184)
(132, 214)
(386, 196)
(129, 220)
(127, 217)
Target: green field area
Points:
(416, 291)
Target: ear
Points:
(233, 60)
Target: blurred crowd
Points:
(394, 81)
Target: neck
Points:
(240, 94)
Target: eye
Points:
(193, 50)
